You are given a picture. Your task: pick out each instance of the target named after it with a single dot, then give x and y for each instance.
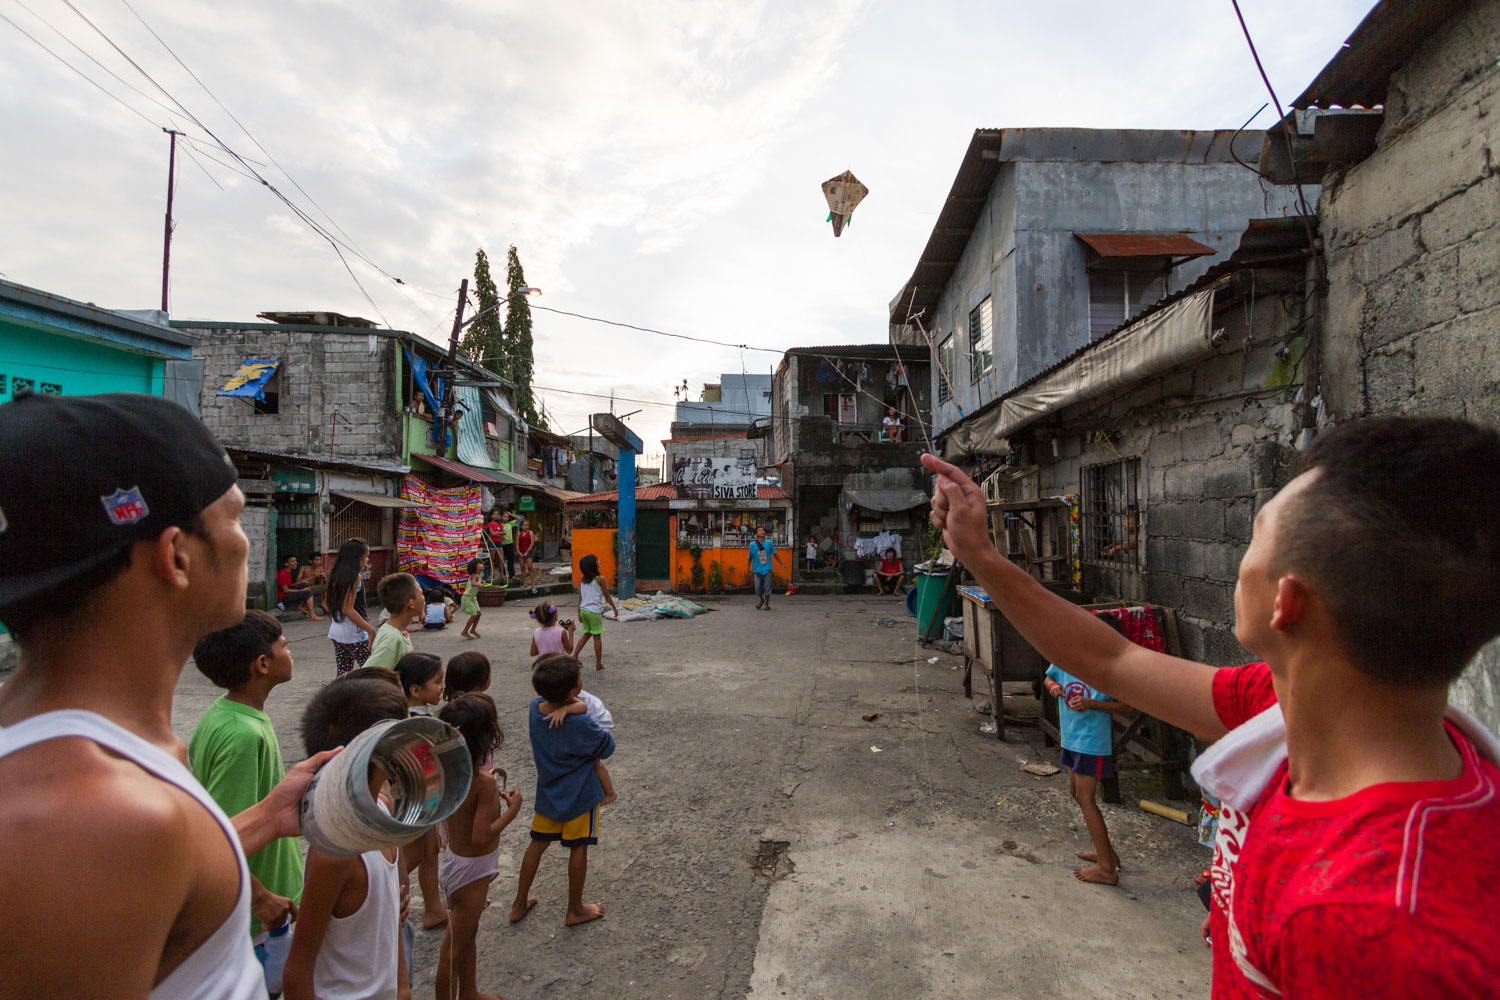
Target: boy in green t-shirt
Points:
(234, 754)
(401, 596)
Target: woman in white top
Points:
(892, 425)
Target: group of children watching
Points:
(337, 927)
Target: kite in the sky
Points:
(844, 193)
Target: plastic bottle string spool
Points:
(429, 769)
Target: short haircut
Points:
(385, 674)
(1399, 534)
(72, 599)
(416, 669)
(554, 676)
(343, 709)
(396, 590)
(431, 596)
(468, 671)
(225, 656)
(476, 720)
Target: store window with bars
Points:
(352, 519)
(1112, 513)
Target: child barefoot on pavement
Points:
(1088, 754)
(568, 792)
(470, 861)
(592, 595)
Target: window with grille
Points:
(1112, 513)
(352, 519)
(981, 340)
(945, 369)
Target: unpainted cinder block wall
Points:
(345, 378)
(1214, 442)
(1413, 249)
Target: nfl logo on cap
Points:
(125, 506)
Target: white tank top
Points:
(591, 596)
(358, 958)
(223, 967)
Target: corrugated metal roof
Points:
(990, 147)
(1360, 73)
(742, 398)
(1145, 245)
(460, 470)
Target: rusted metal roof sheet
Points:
(1145, 245)
(1359, 74)
(990, 147)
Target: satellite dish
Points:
(844, 193)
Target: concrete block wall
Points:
(1214, 442)
(337, 391)
(1412, 236)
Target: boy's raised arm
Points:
(1172, 689)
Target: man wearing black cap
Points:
(120, 546)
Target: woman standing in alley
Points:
(350, 629)
(525, 544)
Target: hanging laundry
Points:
(875, 546)
(827, 372)
(1139, 625)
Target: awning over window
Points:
(250, 380)
(887, 501)
(1145, 245)
(461, 470)
(376, 499)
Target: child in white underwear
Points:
(471, 858)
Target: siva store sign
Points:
(715, 478)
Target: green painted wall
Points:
(416, 429)
(77, 367)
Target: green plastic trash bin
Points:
(926, 600)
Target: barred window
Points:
(1112, 513)
(945, 369)
(981, 340)
(353, 519)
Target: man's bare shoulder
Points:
(119, 839)
(68, 793)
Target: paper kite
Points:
(843, 192)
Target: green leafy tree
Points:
(484, 342)
(517, 340)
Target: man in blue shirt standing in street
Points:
(761, 554)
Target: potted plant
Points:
(696, 552)
(715, 577)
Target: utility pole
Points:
(166, 243)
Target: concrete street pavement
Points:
(762, 847)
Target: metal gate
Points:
(296, 528)
(653, 545)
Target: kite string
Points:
(937, 359)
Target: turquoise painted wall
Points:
(77, 367)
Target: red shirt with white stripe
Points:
(1390, 892)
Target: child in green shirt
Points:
(234, 754)
(401, 595)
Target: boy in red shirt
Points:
(1360, 810)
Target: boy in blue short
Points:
(1088, 753)
(568, 792)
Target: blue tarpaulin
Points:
(431, 393)
(250, 381)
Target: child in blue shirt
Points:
(568, 792)
(1088, 754)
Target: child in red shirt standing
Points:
(1359, 809)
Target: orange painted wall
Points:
(733, 563)
(598, 542)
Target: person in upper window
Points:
(891, 426)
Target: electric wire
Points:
(102, 89)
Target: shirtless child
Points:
(471, 858)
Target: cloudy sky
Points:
(656, 162)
